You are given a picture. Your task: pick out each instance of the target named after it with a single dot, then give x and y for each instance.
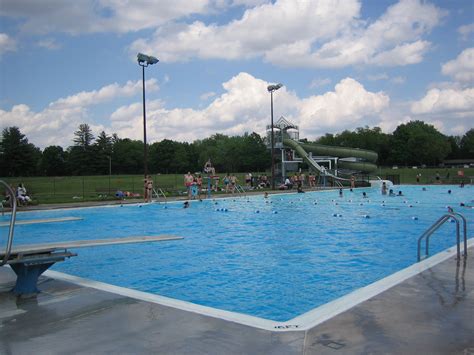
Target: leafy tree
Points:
(467, 144)
(418, 143)
(53, 161)
(327, 139)
(455, 144)
(17, 156)
(127, 156)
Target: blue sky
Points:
(344, 64)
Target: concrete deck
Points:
(430, 313)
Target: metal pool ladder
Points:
(427, 234)
(12, 223)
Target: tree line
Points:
(412, 143)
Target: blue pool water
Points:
(271, 265)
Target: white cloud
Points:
(7, 44)
(404, 54)
(318, 82)
(49, 43)
(466, 30)
(324, 33)
(244, 107)
(376, 77)
(435, 101)
(106, 93)
(90, 16)
(348, 106)
(207, 95)
(398, 80)
(461, 69)
(56, 124)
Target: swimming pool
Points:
(272, 258)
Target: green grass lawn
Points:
(93, 188)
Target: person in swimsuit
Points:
(149, 188)
(188, 182)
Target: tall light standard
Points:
(271, 89)
(144, 61)
(110, 170)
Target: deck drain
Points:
(330, 344)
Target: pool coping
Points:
(302, 322)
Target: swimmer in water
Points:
(364, 194)
(400, 193)
(340, 192)
(266, 195)
(449, 191)
(186, 204)
(391, 193)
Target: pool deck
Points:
(429, 313)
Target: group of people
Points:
(193, 185)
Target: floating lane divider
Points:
(47, 220)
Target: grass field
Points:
(92, 188)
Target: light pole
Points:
(110, 170)
(271, 89)
(144, 61)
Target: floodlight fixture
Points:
(275, 87)
(146, 60)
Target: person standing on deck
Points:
(188, 182)
(149, 188)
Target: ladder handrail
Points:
(12, 223)
(240, 189)
(427, 234)
(162, 193)
(464, 220)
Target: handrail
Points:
(464, 230)
(427, 234)
(12, 223)
(162, 193)
(240, 189)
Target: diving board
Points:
(29, 261)
(45, 220)
(45, 247)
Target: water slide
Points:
(367, 165)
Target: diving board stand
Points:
(30, 261)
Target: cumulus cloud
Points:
(56, 123)
(7, 44)
(435, 101)
(244, 107)
(348, 106)
(461, 69)
(326, 33)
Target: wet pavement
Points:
(430, 313)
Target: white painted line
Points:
(305, 321)
(165, 301)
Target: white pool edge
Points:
(305, 321)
